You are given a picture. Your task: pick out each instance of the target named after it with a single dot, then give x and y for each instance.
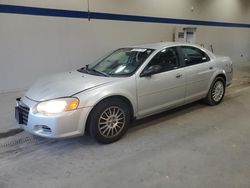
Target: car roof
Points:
(154, 45)
(160, 45)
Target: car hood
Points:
(63, 85)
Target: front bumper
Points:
(64, 125)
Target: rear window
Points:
(193, 56)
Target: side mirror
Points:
(154, 69)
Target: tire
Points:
(216, 92)
(109, 120)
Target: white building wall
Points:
(35, 46)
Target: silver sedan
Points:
(104, 97)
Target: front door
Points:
(164, 89)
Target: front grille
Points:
(25, 113)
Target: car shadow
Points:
(166, 115)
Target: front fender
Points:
(92, 97)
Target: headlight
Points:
(57, 106)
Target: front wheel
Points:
(216, 92)
(109, 120)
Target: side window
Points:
(193, 56)
(168, 59)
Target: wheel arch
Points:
(121, 97)
(222, 76)
(215, 75)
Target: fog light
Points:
(42, 129)
(46, 129)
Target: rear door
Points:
(199, 69)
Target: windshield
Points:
(122, 62)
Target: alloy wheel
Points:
(111, 122)
(218, 91)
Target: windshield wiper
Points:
(89, 71)
(99, 72)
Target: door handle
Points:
(178, 76)
(211, 68)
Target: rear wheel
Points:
(109, 120)
(216, 92)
